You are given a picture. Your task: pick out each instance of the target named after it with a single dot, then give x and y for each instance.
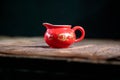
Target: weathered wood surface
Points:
(88, 50)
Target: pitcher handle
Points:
(82, 33)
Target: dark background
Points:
(100, 18)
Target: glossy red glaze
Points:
(62, 36)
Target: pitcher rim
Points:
(52, 25)
(61, 26)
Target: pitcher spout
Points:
(47, 25)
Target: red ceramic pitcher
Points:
(62, 36)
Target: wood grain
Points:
(95, 50)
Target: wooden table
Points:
(31, 58)
(89, 50)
